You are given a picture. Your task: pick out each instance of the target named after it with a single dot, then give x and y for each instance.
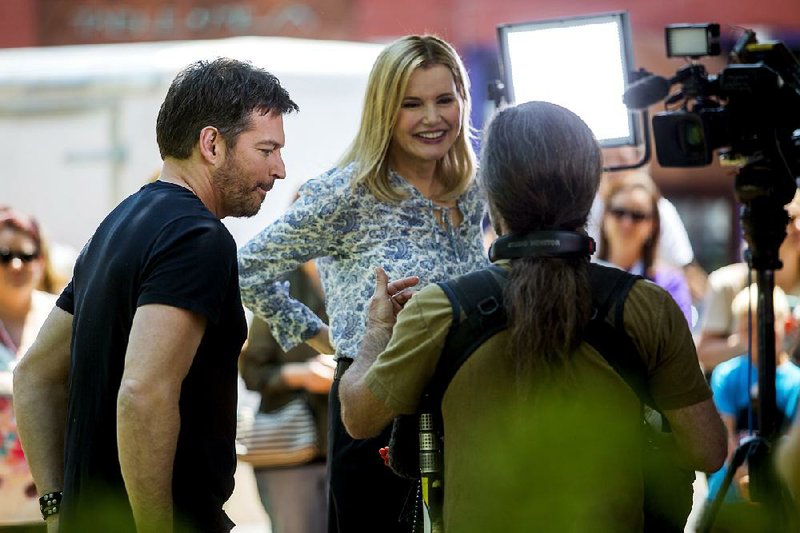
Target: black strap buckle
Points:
(488, 306)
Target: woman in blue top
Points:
(403, 197)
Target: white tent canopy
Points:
(132, 65)
(78, 122)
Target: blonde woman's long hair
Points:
(385, 90)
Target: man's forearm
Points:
(40, 401)
(41, 411)
(363, 415)
(375, 340)
(148, 423)
(700, 435)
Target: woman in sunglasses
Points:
(23, 307)
(629, 236)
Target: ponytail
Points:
(549, 305)
(540, 168)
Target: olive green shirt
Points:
(566, 458)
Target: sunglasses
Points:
(635, 216)
(6, 256)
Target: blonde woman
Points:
(403, 197)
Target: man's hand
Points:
(388, 299)
(362, 413)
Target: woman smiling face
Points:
(429, 119)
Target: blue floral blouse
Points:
(349, 233)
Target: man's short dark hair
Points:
(222, 93)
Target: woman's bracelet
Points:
(50, 503)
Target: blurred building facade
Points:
(464, 22)
(704, 196)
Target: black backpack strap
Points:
(610, 287)
(479, 296)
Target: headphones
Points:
(551, 243)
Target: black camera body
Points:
(751, 108)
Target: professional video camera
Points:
(750, 111)
(751, 105)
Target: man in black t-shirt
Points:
(126, 403)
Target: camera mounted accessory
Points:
(50, 503)
(549, 243)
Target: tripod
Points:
(764, 222)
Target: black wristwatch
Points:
(50, 504)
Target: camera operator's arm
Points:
(363, 414)
(700, 435)
(726, 390)
(674, 377)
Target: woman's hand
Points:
(319, 377)
(313, 375)
(321, 341)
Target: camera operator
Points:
(540, 430)
(718, 341)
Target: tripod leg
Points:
(710, 510)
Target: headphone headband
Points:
(551, 243)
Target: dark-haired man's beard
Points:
(239, 197)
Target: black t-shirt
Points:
(159, 246)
